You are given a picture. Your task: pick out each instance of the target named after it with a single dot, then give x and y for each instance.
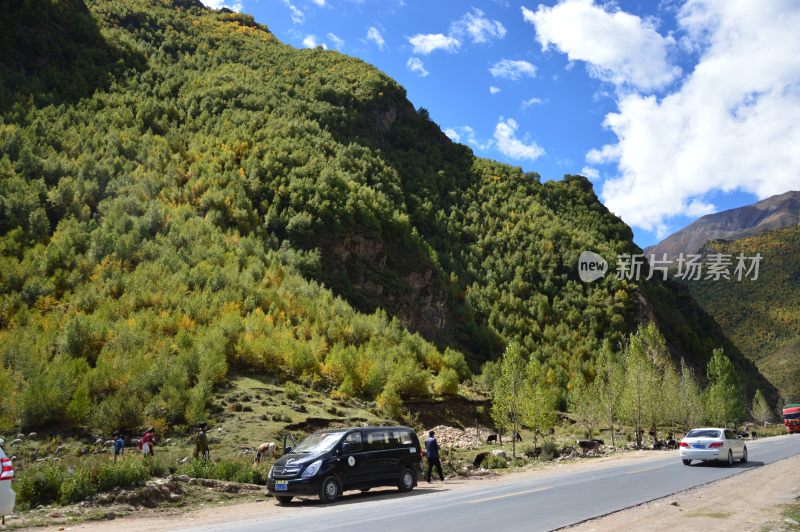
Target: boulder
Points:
(16, 442)
(32, 435)
(500, 453)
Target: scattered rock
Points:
(451, 437)
(500, 453)
(16, 442)
(20, 436)
(32, 435)
(98, 441)
(674, 503)
(791, 521)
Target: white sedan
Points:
(7, 495)
(712, 444)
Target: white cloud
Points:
(590, 172)
(618, 47)
(219, 4)
(608, 153)
(479, 28)
(467, 135)
(336, 41)
(512, 69)
(505, 136)
(426, 43)
(310, 41)
(415, 64)
(374, 35)
(453, 134)
(732, 124)
(319, 2)
(531, 101)
(297, 16)
(494, 90)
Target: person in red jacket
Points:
(147, 445)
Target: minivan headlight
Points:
(312, 469)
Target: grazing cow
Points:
(589, 445)
(479, 458)
(266, 450)
(517, 436)
(492, 438)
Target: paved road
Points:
(543, 502)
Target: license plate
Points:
(281, 485)
(699, 446)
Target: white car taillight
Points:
(6, 469)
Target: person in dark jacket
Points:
(432, 453)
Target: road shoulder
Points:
(753, 500)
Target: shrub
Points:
(230, 470)
(446, 382)
(37, 485)
(549, 451)
(495, 462)
(293, 390)
(389, 403)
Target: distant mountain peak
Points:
(775, 212)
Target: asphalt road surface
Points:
(543, 502)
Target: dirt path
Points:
(161, 520)
(750, 501)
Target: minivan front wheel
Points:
(407, 480)
(330, 491)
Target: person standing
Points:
(147, 445)
(432, 453)
(201, 443)
(119, 445)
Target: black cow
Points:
(492, 438)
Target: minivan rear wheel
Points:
(407, 480)
(331, 490)
(283, 500)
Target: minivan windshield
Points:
(697, 433)
(319, 443)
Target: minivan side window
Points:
(403, 436)
(355, 441)
(377, 440)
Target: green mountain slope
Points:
(193, 195)
(762, 317)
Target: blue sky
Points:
(664, 105)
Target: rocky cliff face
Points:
(772, 213)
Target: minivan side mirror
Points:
(347, 447)
(287, 450)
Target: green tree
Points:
(761, 410)
(690, 399)
(511, 393)
(641, 395)
(584, 404)
(723, 395)
(540, 399)
(608, 383)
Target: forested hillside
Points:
(762, 317)
(181, 195)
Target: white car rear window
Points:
(697, 433)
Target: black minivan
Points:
(329, 462)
